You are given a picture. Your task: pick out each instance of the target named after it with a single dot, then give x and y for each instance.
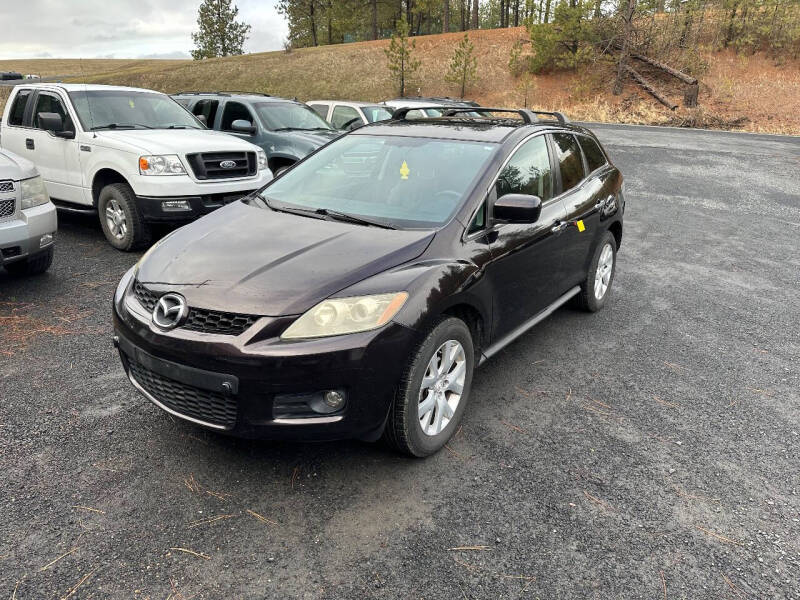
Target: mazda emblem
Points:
(228, 164)
(170, 311)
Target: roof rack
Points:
(220, 93)
(528, 116)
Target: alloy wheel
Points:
(442, 386)
(602, 276)
(116, 220)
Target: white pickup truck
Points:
(134, 156)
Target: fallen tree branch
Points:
(649, 88)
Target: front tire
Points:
(597, 286)
(121, 218)
(33, 265)
(433, 391)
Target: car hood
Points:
(300, 143)
(249, 260)
(176, 141)
(15, 167)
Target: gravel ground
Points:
(648, 451)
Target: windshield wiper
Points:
(120, 126)
(347, 217)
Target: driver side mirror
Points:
(53, 122)
(517, 208)
(243, 126)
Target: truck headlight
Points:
(33, 192)
(165, 164)
(337, 316)
(262, 160)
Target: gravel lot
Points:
(648, 451)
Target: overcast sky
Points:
(121, 28)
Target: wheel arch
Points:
(616, 230)
(102, 178)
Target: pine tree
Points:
(219, 33)
(402, 63)
(463, 66)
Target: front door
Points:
(526, 258)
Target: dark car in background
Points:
(354, 295)
(287, 130)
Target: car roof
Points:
(358, 103)
(428, 101)
(252, 96)
(83, 87)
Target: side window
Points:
(591, 150)
(342, 114)
(52, 104)
(320, 109)
(568, 155)
(479, 221)
(208, 109)
(528, 171)
(234, 111)
(17, 113)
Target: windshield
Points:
(111, 109)
(404, 182)
(376, 113)
(288, 115)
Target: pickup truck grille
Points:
(6, 204)
(209, 165)
(6, 187)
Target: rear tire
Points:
(34, 265)
(597, 286)
(121, 219)
(440, 368)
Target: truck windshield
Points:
(284, 116)
(396, 181)
(376, 113)
(124, 109)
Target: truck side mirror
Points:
(50, 121)
(243, 126)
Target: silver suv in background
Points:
(28, 219)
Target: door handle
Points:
(29, 143)
(559, 226)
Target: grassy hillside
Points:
(745, 92)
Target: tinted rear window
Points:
(591, 150)
(18, 109)
(568, 154)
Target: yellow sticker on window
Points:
(581, 226)
(404, 170)
(130, 102)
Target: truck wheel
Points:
(433, 391)
(595, 289)
(121, 219)
(33, 265)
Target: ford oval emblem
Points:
(228, 164)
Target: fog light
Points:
(175, 205)
(45, 240)
(334, 399)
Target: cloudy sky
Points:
(121, 28)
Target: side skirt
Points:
(538, 317)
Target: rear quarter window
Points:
(593, 153)
(17, 113)
(568, 155)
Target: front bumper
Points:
(21, 237)
(235, 384)
(154, 210)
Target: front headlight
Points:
(33, 192)
(338, 316)
(166, 164)
(262, 160)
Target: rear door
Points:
(585, 186)
(526, 258)
(14, 131)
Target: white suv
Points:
(135, 156)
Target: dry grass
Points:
(750, 93)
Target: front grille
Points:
(208, 165)
(6, 208)
(211, 321)
(145, 297)
(11, 252)
(6, 186)
(209, 407)
(200, 319)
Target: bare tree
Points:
(627, 23)
(474, 14)
(445, 17)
